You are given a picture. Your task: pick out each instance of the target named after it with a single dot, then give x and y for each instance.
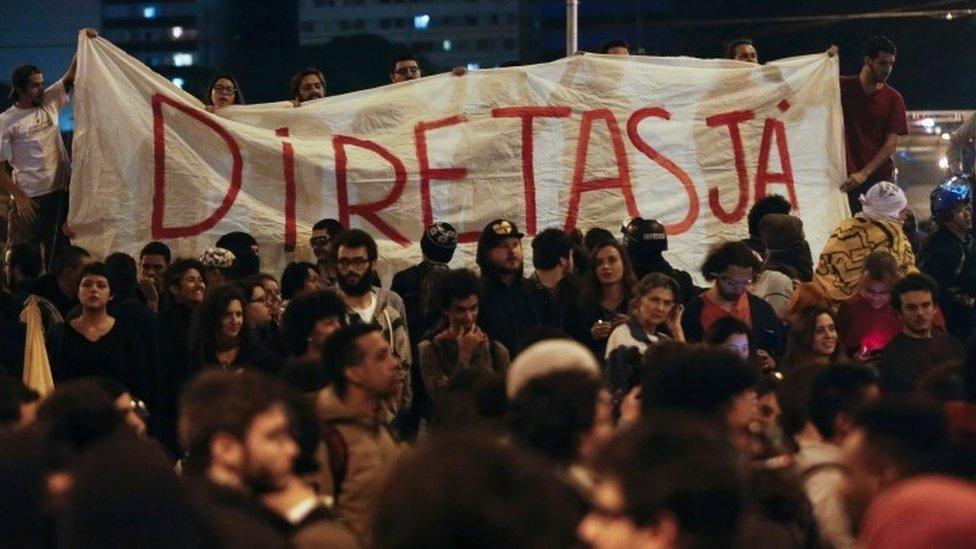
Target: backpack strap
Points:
(335, 443)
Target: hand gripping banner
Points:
(584, 141)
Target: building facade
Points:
(447, 33)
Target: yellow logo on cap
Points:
(502, 227)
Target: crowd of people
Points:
(604, 400)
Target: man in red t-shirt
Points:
(874, 117)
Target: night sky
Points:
(936, 68)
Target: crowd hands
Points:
(605, 400)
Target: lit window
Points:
(447, 45)
(182, 59)
(149, 12)
(421, 21)
(176, 32)
(474, 66)
(179, 82)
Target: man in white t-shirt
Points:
(34, 165)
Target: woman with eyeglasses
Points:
(222, 92)
(94, 344)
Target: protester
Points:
(306, 85)
(94, 344)
(960, 143)
(307, 324)
(877, 228)
(139, 320)
(356, 257)
(154, 259)
(247, 253)
(554, 277)
(134, 412)
(714, 383)
(359, 445)
(948, 255)
(730, 267)
(222, 91)
(605, 297)
(646, 241)
(867, 321)
(742, 49)
(669, 482)
(272, 293)
(414, 284)
(403, 68)
(930, 511)
(554, 408)
(813, 340)
(918, 349)
(787, 249)
(18, 404)
(772, 286)
(125, 493)
(469, 491)
(507, 311)
(219, 337)
(731, 333)
(235, 431)
(186, 287)
(218, 266)
(874, 117)
(616, 46)
(323, 232)
(258, 313)
(892, 443)
(838, 392)
(60, 286)
(461, 344)
(654, 316)
(298, 279)
(34, 165)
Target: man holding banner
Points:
(34, 165)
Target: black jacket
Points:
(507, 313)
(413, 285)
(951, 261)
(767, 329)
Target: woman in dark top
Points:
(605, 297)
(219, 337)
(94, 344)
(186, 286)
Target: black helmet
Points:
(647, 234)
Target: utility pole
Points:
(572, 26)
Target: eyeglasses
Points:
(140, 409)
(318, 241)
(225, 89)
(404, 71)
(355, 262)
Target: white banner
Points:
(584, 141)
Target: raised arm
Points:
(69, 75)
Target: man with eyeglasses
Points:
(306, 85)
(356, 256)
(323, 232)
(731, 268)
(407, 67)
